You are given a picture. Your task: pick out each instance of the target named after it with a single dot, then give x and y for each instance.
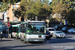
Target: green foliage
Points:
(3, 7)
(63, 7)
(4, 4)
(30, 8)
(39, 9)
(17, 13)
(53, 20)
(35, 8)
(71, 16)
(25, 6)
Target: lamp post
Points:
(8, 26)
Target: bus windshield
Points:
(36, 28)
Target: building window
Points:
(13, 6)
(16, 6)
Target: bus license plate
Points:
(36, 40)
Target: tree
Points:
(71, 16)
(31, 8)
(61, 7)
(4, 4)
(39, 9)
(3, 7)
(25, 6)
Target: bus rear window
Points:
(14, 29)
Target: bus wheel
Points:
(40, 42)
(25, 41)
(21, 40)
(17, 37)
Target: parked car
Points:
(58, 34)
(51, 30)
(71, 30)
(65, 29)
(59, 27)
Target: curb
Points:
(6, 39)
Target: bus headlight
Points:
(43, 37)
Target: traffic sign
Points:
(8, 24)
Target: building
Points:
(1, 15)
(10, 13)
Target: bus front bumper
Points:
(35, 40)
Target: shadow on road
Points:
(3, 40)
(69, 37)
(70, 49)
(53, 41)
(20, 46)
(36, 42)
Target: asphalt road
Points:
(67, 43)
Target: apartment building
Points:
(10, 12)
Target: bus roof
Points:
(36, 21)
(32, 21)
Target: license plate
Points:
(47, 35)
(36, 40)
(61, 36)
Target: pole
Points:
(8, 26)
(1, 37)
(36, 18)
(8, 31)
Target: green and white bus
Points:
(15, 31)
(33, 31)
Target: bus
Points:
(15, 31)
(33, 31)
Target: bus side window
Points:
(17, 30)
(21, 28)
(24, 30)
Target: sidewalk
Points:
(3, 39)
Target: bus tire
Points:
(40, 42)
(25, 41)
(21, 40)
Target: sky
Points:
(50, 0)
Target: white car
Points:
(71, 30)
(51, 30)
(59, 34)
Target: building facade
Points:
(10, 12)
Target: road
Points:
(67, 43)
